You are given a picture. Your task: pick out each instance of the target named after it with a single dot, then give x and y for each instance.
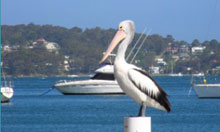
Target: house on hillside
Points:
(160, 62)
(66, 65)
(15, 47)
(172, 50)
(184, 52)
(50, 46)
(184, 49)
(154, 70)
(216, 70)
(41, 40)
(6, 48)
(197, 50)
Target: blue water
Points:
(54, 112)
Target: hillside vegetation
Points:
(78, 51)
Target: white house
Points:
(7, 48)
(160, 61)
(196, 50)
(154, 70)
(51, 46)
(66, 65)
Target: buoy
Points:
(137, 124)
(204, 80)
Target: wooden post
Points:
(137, 124)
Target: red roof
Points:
(168, 48)
(215, 61)
(41, 40)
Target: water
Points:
(54, 112)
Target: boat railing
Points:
(199, 80)
(7, 83)
(205, 80)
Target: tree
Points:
(195, 43)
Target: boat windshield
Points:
(103, 76)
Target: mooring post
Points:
(137, 124)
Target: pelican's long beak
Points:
(120, 35)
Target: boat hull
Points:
(207, 90)
(4, 99)
(89, 87)
(6, 94)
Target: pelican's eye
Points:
(120, 27)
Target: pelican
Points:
(134, 81)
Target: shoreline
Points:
(87, 75)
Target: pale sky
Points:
(183, 19)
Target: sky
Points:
(183, 19)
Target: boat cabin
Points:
(103, 76)
(105, 72)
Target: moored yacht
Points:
(103, 82)
(7, 93)
(207, 90)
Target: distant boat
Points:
(207, 90)
(103, 82)
(7, 91)
(72, 75)
(175, 74)
(199, 74)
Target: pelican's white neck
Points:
(120, 57)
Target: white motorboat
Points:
(207, 90)
(103, 82)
